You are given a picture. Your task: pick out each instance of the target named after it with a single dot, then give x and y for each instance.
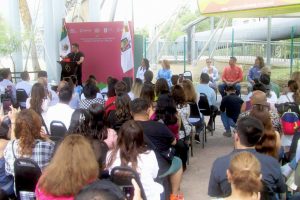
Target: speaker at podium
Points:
(68, 68)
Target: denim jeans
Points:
(227, 122)
(222, 88)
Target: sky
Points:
(147, 13)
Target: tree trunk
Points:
(27, 22)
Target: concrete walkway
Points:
(196, 178)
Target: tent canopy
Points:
(247, 8)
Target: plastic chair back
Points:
(27, 174)
(57, 130)
(204, 105)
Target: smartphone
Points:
(122, 177)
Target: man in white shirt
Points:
(25, 85)
(61, 111)
(7, 84)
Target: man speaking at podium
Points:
(78, 57)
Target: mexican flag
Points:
(64, 43)
(126, 50)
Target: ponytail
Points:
(247, 181)
(245, 173)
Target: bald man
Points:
(258, 97)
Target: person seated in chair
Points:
(61, 111)
(210, 93)
(232, 76)
(8, 85)
(159, 138)
(25, 85)
(212, 72)
(248, 133)
(230, 109)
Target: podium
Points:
(68, 69)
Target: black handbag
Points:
(287, 106)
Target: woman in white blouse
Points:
(132, 151)
(142, 69)
(293, 94)
(212, 72)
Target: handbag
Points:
(285, 107)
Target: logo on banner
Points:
(126, 50)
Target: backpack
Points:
(290, 122)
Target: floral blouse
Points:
(184, 113)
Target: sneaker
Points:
(197, 139)
(227, 134)
(176, 197)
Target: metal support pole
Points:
(184, 52)
(269, 52)
(292, 50)
(209, 39)
(113, 11)
(218, 40)
(232, 43)
(212, 27)
(145, 47)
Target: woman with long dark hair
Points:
(122, 113)
(161, 87)
(90, 123)
(132, 151)
(38, 100)
(255, 72)
(142, 69)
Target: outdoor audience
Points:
(149, 130)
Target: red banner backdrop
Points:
(101, 44)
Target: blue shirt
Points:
(208, 91)
(165, 74)
(254, 73)
(270, 169)
(215, 74)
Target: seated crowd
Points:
(149, 129)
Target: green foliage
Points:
(9, 42)
(142, 31)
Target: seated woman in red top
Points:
(73, 166)
(115, 88)
(232, 76)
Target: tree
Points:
(27, 22)
(9, 42)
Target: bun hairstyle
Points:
(245, 173)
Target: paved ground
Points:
(196, 177)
